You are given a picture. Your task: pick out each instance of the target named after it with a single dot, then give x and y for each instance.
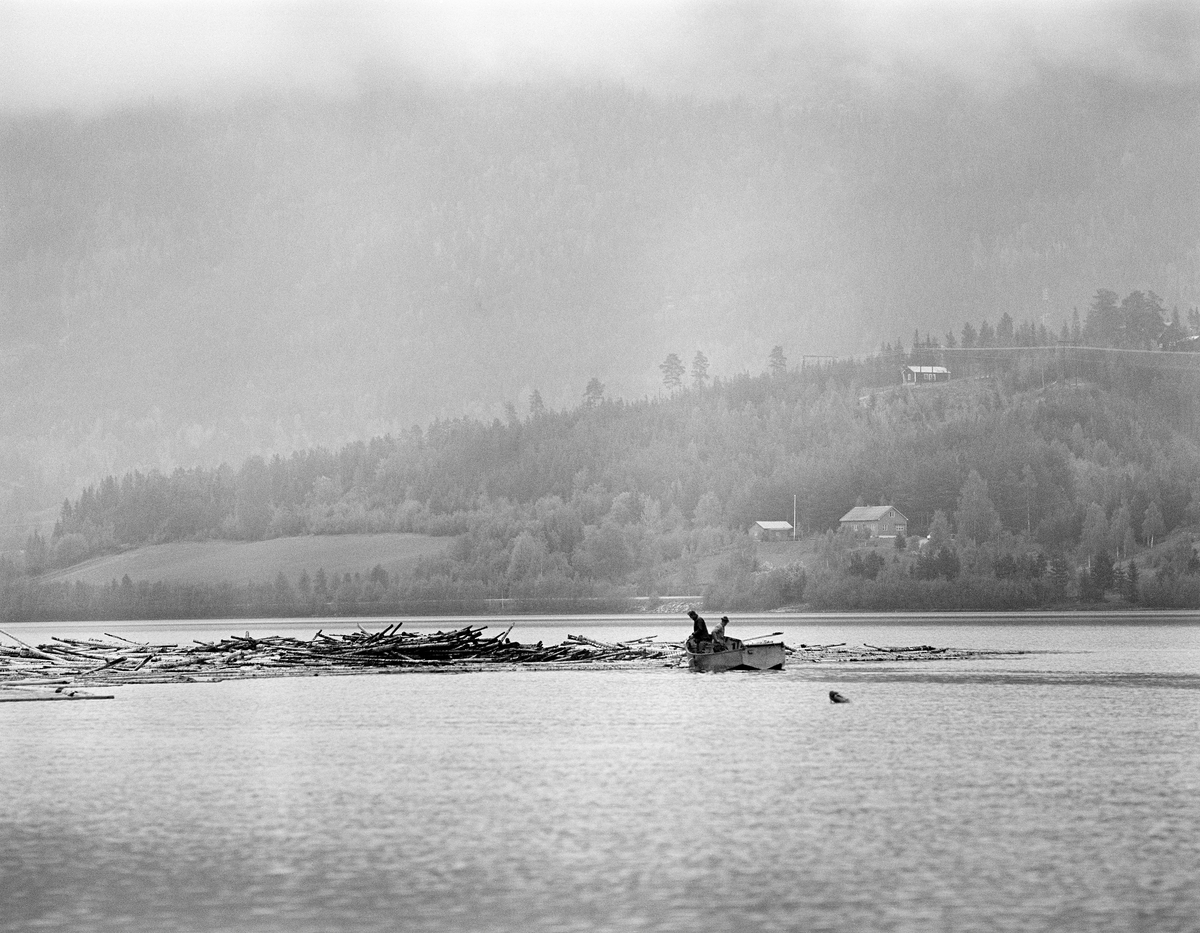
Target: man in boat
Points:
(700, 640)
(721, 642)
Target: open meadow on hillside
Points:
(258, 561)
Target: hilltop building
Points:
(917, 375)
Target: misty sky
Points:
(89, 53)
(848, 252)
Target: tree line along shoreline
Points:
(832, 591)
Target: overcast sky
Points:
(88, 53)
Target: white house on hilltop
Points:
(916, 375)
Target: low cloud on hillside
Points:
(102, 52)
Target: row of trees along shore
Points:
(1042, 475)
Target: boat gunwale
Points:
(695, 665)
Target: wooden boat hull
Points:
(764, 657)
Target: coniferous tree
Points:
(672, 370)
(537, 407)
(594, 393)
(1131, 583)
(36, 553)
(1103, 326)
(1004, 330)
(1120, 585)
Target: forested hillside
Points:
(1037, 467)
(183, 284)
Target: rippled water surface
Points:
(1058, 790)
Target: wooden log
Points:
(127, 641)
(91, 656)
(30, 651)
(104, 667)
(26, 694)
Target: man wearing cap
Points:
(721, 641)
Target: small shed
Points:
(880, 521)
(916, 375)
(771, 531)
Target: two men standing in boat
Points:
(702, 641)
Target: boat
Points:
(767, 656)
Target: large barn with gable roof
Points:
(880, 521)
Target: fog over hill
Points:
(253, 228)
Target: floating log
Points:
(29, 651)
(9, 694)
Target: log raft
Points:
(114, 660)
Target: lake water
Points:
(1057, 790)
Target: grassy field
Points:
(782, 553)
(241, 561)
(770, 554)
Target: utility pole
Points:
(793, 516)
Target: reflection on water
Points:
(1093, 679)
(1048, 792)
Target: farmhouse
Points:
(880, 521)
(916, 375)
(771, 531)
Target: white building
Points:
(771, 531)
(915, 375)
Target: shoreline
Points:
(1183, 617)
